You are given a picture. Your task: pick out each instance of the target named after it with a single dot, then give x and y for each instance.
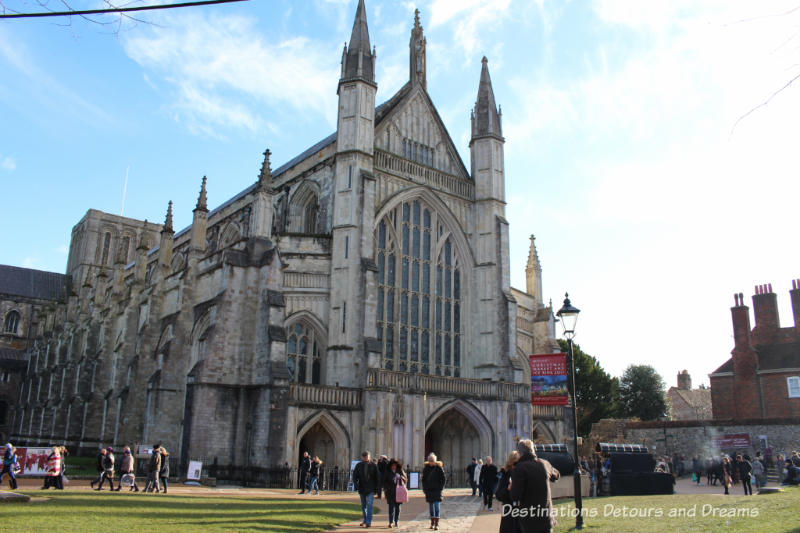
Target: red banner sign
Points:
(549, 379)
(32, 461)
(735, 440)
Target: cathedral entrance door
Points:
(455, 441)
(317, 441)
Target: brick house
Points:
(762, 378)
(686, 403)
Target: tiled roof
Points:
(29, 283)
(727, 366)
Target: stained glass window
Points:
(303, 354)
(418, 315)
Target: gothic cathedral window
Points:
(11, 323)
(303, 354)
(419, 296)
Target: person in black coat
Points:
(727, 473)
(507, 522)
(383, 465)
(163, 474)
(100, 468)
(488, 481)
(433, 480)
(745, 468)
(530, 490)
(392, 477)
(471, 475)
(305, 466)
(367, 482)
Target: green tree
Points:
(597, 390)
(642, 394)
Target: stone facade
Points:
(762, 378)
(357, 297)
(26, 296)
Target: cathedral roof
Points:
(30, 283)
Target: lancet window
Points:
(420, 293)
(303, 354)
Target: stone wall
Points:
(690, 438)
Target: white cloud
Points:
(63, 249)
(9, 163)
(468, 17)
(221, 70)
(30, 262)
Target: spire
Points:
(533, 256)
(485, 118)
(533, 274)
(265, 177)
(168, 220)
(360, 59)
(416, 57)
(202, 200)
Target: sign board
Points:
(413, 480)
(733, 440)
(143, 450)
(549, 379)
(32, 461)
(195, 469)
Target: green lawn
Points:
(769, 513)
(87, 512)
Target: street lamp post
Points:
(569, 317)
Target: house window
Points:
(303, 359)
(420, 292)
(793, 384)
(11, 324)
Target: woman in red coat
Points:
(53, 469)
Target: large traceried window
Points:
(419, 296)
(303, 350)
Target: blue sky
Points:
(621, 152)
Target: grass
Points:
(87, 512)
(773, 513)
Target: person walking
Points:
(471, 475)
(9, 464)
(383, 465)
(127, 471)
(433, 480)
(758, 473)
(488, 482)
(366, 481)
(476, 477)
(163, 472)
(62, 476)
(696, 470)
(394, 484)
(153, 469)
(726, 473)
(507, 523)
(313, 473)
(108, 469)
(53, 469)
(305, 466)
(101, 458)
(745, 469)
(530, 489)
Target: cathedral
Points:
(356, 298)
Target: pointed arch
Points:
(306, 346)
(543, 433)
(446, 216)
(230, 234)
(11, 322)
(337, 431)
(304, 208)
(473, 415)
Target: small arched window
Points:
(11, 324)
(310, 215)
(106, 246)
(303, 351)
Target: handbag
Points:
(400, 492)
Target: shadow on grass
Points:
(89, 512)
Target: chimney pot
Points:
(770, 287)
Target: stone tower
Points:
(354, 211)
(533, 273)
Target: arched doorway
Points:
(457, 433)
(317, 441)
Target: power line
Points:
(115, 10)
